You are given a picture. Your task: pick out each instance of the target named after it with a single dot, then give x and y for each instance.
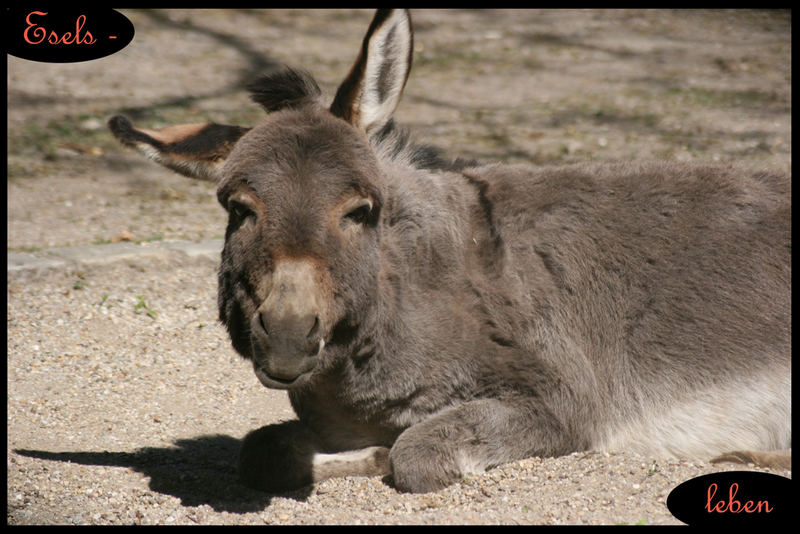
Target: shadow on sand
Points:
(198, 471)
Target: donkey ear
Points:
(370, 93)
(194, 150)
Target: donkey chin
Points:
(285, 367)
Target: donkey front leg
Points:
(288, 455)
(472, 437)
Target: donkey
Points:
(433, 319)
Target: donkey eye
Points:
(240, 212)
(360, 214)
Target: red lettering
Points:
(87, 39)
(733, 506)
(712, 490)
(38, 30)
(66, 38)
(733, 502)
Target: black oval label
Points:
(729, 496)
(66, 34)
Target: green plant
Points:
(142, 305)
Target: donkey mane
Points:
(395, 144)
(291, 87)
(284, 88)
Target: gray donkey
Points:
(432, 319)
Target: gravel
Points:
(126, 403)
(120, 416)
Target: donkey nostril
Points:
(261, 322)
(314, 328)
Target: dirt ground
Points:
(126, 403)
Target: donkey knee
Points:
(421, 467)
(277, 457)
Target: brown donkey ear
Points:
(370, 93)
(194, 150)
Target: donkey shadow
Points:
(198, 471)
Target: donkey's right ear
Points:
(194, 150)
(370, 93)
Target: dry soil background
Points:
(126, 403)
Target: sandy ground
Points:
(126, 403)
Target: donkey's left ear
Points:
(370, 93)
(194, 150)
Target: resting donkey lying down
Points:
(434, 319)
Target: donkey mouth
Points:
(274, 377)
(277, 382)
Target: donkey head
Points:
(304, 193)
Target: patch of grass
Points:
(152, 238)
(46, 138)
(25, 249)
(443, 57)
(142, 305)
(652, 470)
(608, 113)
(603, 112)
(638, 523)
(723, 98)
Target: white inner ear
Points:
(386, 71)
(211, 171)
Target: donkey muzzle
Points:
(288, 328)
